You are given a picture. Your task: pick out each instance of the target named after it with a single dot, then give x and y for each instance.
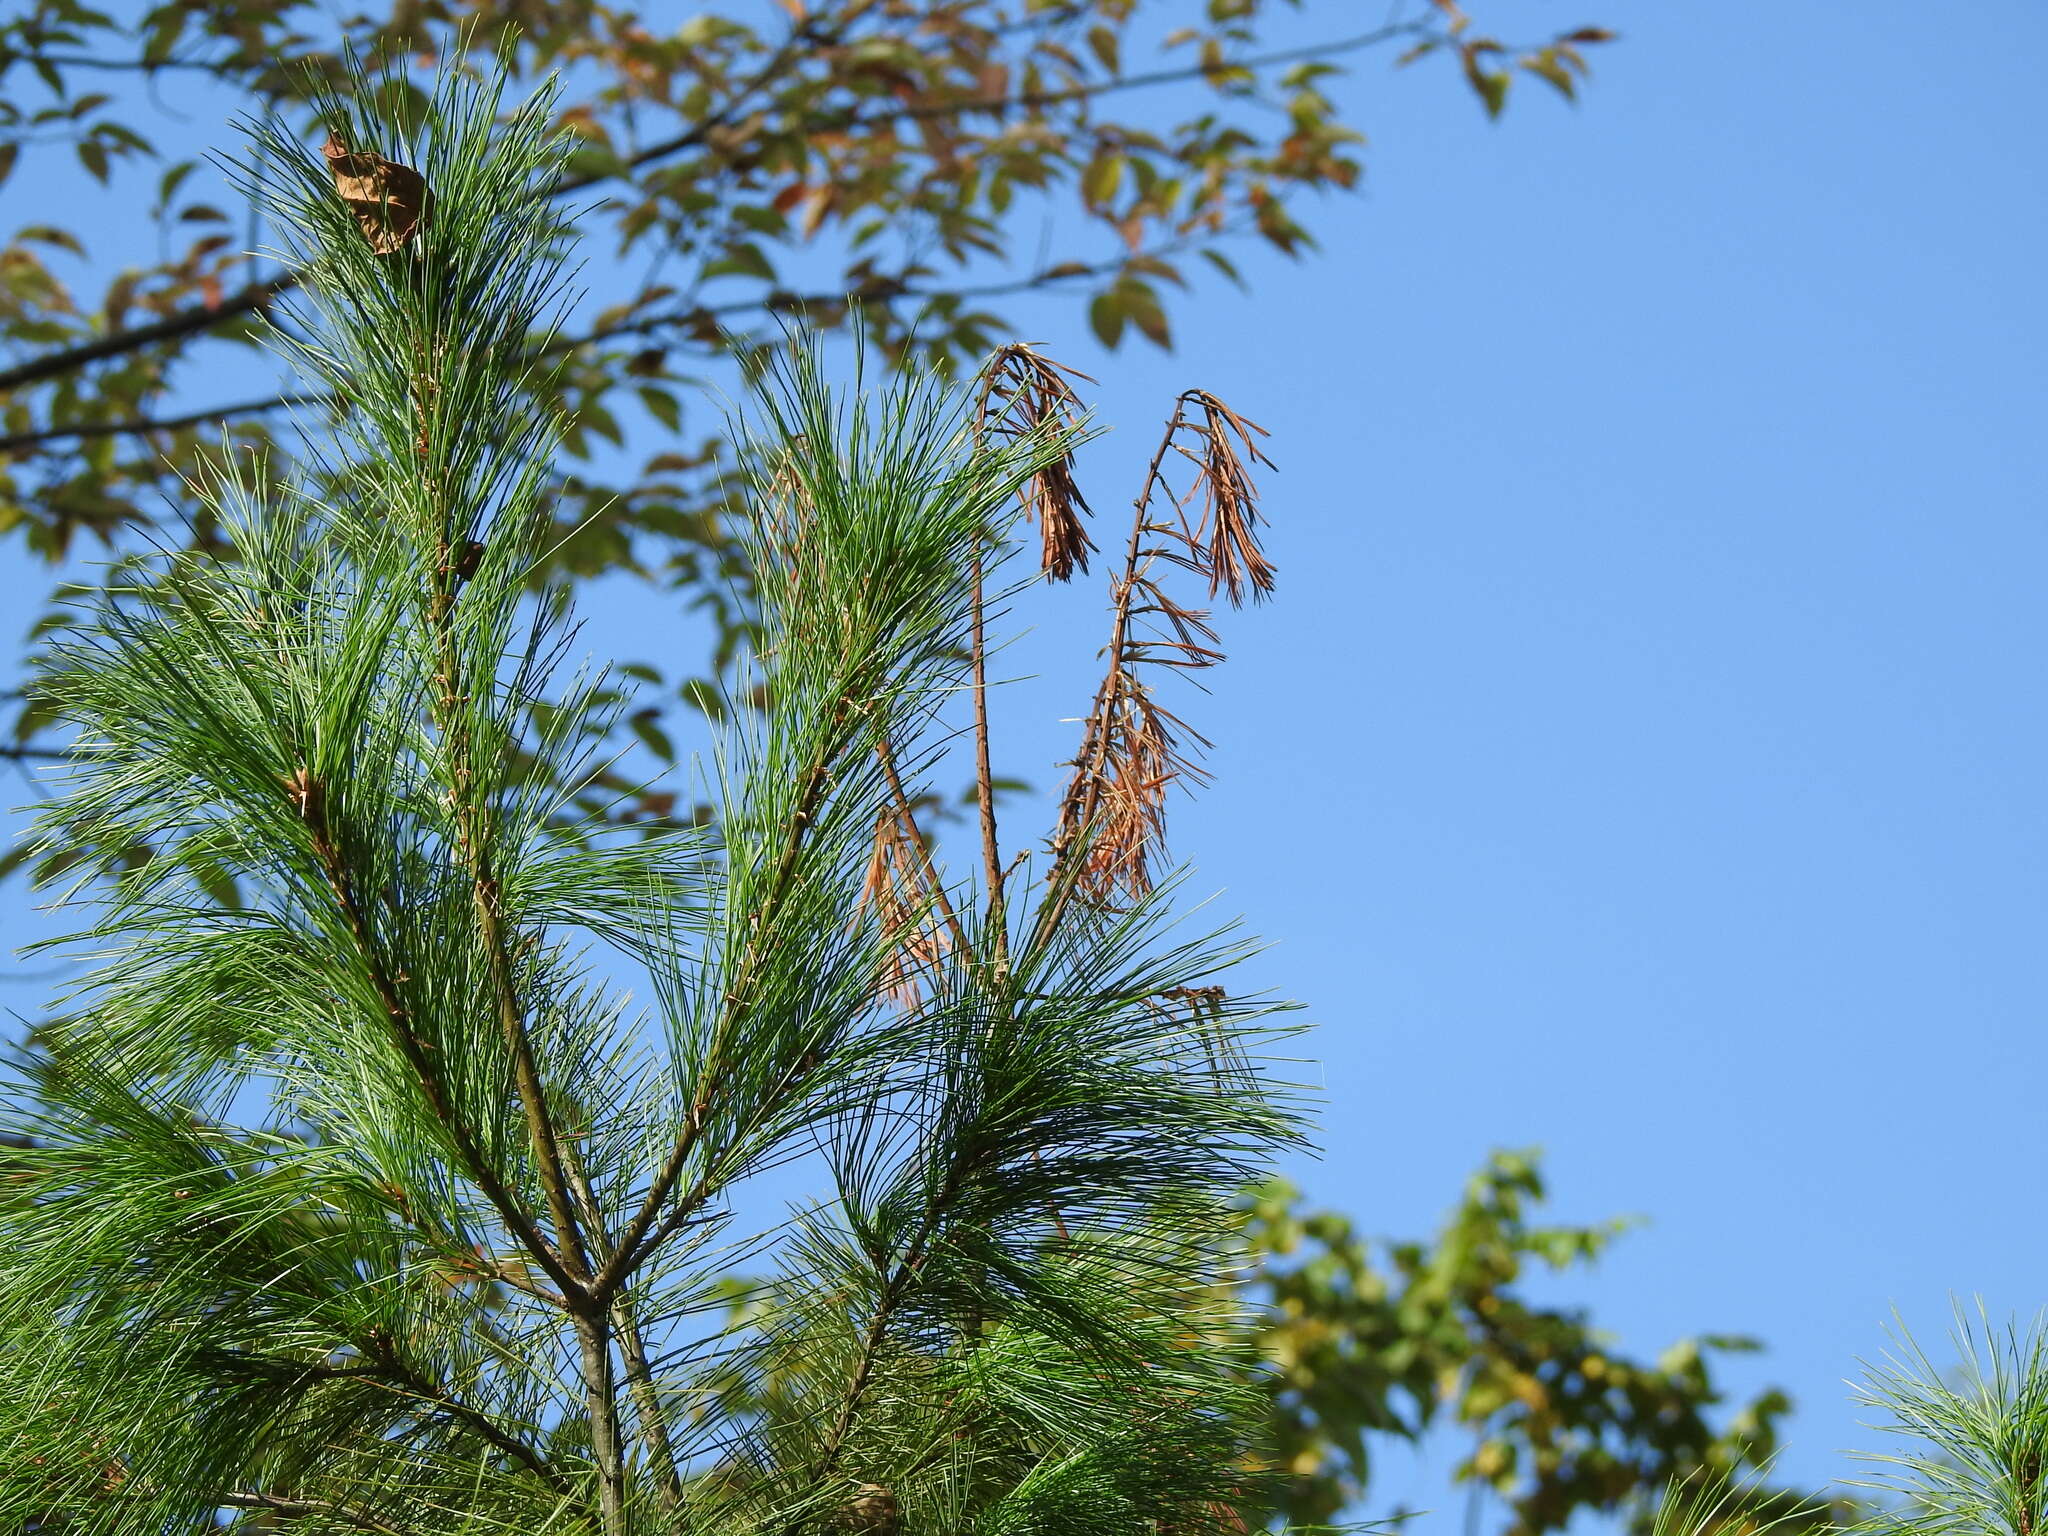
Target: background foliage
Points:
(1367, 1340)
(919, 160)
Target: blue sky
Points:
(1644, 757)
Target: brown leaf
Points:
(390, 201)
(872, 1510)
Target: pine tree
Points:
(373, 1200)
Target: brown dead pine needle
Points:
(1021, 391)
(903, 894)
(1132, 749)
(1226, 540)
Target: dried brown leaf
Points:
(390, 201)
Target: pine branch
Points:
(650, 1418)
(133, 426)
(472, 841)
(649, 1228)
(395, 1373)
(416, 1049)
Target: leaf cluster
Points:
(1359, 1342)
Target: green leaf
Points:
(1225, 265)
(1100, 181)
(168, 26)
(50, 234)
(1106, 317)
(741, 259)
(1104, 44)
(1546, 66)
(1141, 305)
(1490, 85)
(662, 406)
(652, 736)
(173, 178)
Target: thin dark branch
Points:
(767, 303)
(291, 1508)
(135, 425)
(144, 66)
(200, 317)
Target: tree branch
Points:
(293, 1508)
(136, 425)
(417, 1055)
(116, 343)
(257, 295)
(143, 66)
(396, 1376)
(652, 1422)
(767, 303)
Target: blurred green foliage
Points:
(1369, 1340)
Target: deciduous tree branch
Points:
(135, 426)
(256, 296)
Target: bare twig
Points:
(686, 319)
(292, 1507)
